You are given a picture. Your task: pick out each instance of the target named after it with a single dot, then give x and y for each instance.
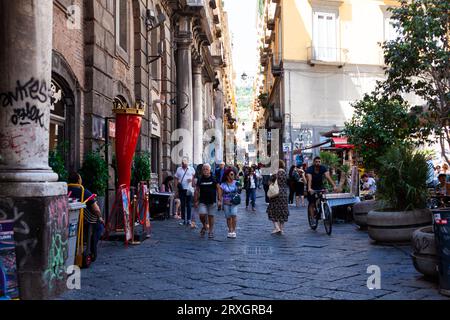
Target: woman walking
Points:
(278, 210)
(228, 197)
(300, 186)
(291, 184)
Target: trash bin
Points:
(441, 226)
(74, 215)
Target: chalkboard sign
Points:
(8, 270)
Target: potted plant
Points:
(57, 163)
(402, 191)
(141, 168)
(424, 256)
(95, 175)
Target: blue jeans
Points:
(250, 194)
(186, 206)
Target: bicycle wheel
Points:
(313, 222)
(328, 221)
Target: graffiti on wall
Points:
(25, 240)
(58, 226)
(34, 90)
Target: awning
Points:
(342, 143)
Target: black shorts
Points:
(299, 188)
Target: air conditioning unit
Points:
(195, 3)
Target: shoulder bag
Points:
(274, 190)
(180, 184)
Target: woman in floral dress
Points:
(278, 210)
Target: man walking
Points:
(219, 173)
(206, 192)
(184, 177)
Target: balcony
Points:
(327, 56)
(264, 60)
(277, 67)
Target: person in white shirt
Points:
(184, 178)
(369, 185)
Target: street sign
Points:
(287, 146)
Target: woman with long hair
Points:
(230, 189)
(278, 209)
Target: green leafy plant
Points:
(402, 183)
(418, 62)
(264, 100)
(378, 123)
(338, 170)
(141, 170)
(95, 173)
(56, 161)
(329, 159)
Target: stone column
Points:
(29, 193)
(219, 126)
(198, 113)
(184, 83)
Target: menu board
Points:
(8, 267)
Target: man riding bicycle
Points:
(314, 175)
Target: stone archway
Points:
(64, 78)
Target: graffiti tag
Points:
(33, 89)
(56, 258)
(24, 116)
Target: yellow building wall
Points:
(360, 29)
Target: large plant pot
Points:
(424, 254)
(361, 210)
(395, 226)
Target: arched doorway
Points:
(62, 129)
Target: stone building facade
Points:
(172, 56)
(64, 63)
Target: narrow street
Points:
(175, 263)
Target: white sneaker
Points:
(230, 235)
(233, 235)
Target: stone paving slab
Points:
(177, 264)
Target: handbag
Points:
(274, 190)
(236, 199)
(180, 185)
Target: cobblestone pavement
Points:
(175, 263)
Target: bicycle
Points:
(322, 211)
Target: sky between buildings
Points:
(242, 24)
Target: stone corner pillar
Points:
(184, 82)
(29, 192)
(198, 112)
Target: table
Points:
(160, 204)
(341, 199)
